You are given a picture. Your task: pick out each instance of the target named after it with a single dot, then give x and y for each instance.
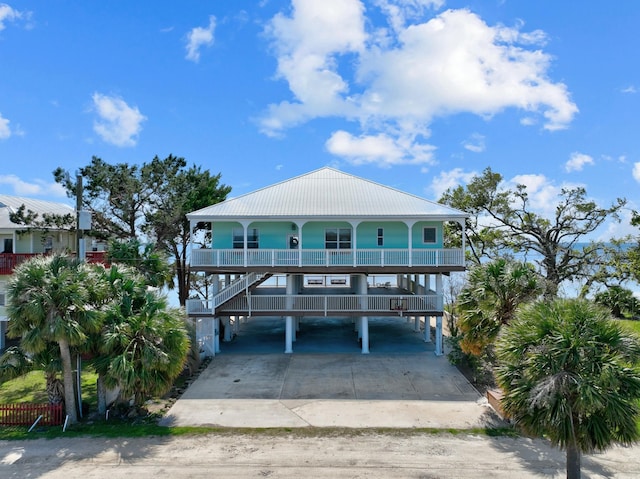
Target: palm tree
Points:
(569, 373)
(49, 301)
(144, 343)
(489, 300)
(618, 299)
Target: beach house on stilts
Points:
(326, 235)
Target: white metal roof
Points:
(11, 204)
(326, 193)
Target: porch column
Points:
(439, 351)
(416, 324)
(354, 241)
(299, 225)
(288, 331)
(244, 243)
(410, 240)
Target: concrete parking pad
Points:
(253, 384)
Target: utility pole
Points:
(80, 249)
(80, 254)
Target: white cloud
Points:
(118, 123)
(629, 89)
(39, 187)
(396, 82)
(450, 179)
(307, 46)
(5, 131)
(200, 37)
(577, 161)
(475, 143)
(381, 149)
(619, 229)
(543, 194)
(456, 63)
(636, 171)
(8, 14)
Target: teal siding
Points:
(223, 235)
(275, 235)
(271, 235)
(394, 235)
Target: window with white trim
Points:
(337, 238)
(429, 235)
(380, 237)
(252, 238)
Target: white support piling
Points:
(365, 334)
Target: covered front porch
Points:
(220, 259)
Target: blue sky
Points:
(415, 94)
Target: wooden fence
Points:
(26, 414)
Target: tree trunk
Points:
(55, 389)
(67, 370)
(101, 392)
(573, 461)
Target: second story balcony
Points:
(327, 259)
(9, 261)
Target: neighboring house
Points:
(329, 234)
(19, 243)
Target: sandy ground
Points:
(346, 455)
(410, 390)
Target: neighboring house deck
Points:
(18, 243)
(323, 224)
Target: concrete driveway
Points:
(327, 382)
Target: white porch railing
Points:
(327, 258)
(322, 304)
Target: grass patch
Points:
(31, 388)
(118, 429)
(630, 325)
(25, 389)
